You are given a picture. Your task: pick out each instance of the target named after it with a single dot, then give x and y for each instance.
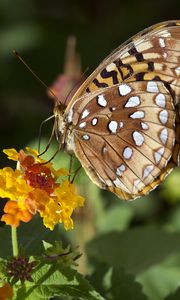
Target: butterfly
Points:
(123, 123)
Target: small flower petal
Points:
(11, 153)
(13, 214)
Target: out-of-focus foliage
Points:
(126, 246)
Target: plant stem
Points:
(14, 241)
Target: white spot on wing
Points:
(118, 183)
(144, 126)
(161, 100)
(120, 169)
(110, 67)
(101, 101)
(121, 124)
(85, 113)
(138, 138)
(163, 116)
(133, 101)
(164, 135)
(82, 125)
(86, 137)
(94, 121)
(124, 89)
(152, 87)
(113, 126)
(147, 170)
(127, 153)
(137, 114)
(158, 154)
(161, 42)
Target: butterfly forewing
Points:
(154, 51)
(124, 120)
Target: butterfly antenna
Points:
(34, 74)
(76, 84)
(40, 135)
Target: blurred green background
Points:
(39, 31)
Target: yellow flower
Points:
(33, 188)
(61, 206)
(11, 153)
(12, 185)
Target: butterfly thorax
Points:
(63, 130)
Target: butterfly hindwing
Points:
(124, 136)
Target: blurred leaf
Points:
(19, 37)
(173, 220)
(51, 280)
(174, 296)
(99, 278)
(171, 191)
(30, 236)
(144, 207)
(160, 281)
(135, 250)
(115, 283)
(116, 217)
(125, 287)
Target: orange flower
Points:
(6, 292)
(13, 214)
(33, 188)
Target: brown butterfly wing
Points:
(153, 54)
(150, 64)
(124, 136)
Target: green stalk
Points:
(14, 241)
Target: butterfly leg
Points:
(75, 173)
(50, 139)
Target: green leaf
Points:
(160, 281)
(99, 278)
(30, 236)
(171, 191)
(125, 287)
(174, 296)
(56, 252)
(49, 281)
(115, 283)
(117, 217)
(135, 250)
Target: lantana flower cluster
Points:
(33, 187)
